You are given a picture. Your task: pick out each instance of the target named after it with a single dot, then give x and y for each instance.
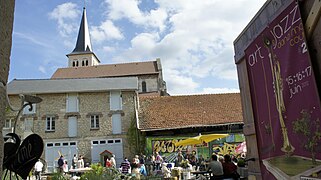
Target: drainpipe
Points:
(136, 102)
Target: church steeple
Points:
(83, 55)
(83, 40)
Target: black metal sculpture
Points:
(21, 158)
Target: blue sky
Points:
(193, 38)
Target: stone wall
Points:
(89, 103)
(151, 83)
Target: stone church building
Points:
(86, 107)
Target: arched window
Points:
(73, 64)
(86, 62)
(83, 63)
(77, 63)
(143, 86)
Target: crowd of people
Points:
(219, 167)
(222, 167)
(135, 167)
(77, 162)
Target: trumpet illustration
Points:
(278, 92)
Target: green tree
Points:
(310, 129)
(136, 139)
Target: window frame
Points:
(144, 86)
(52, 123)
(94, 121)
(11, 121)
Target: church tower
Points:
(83, 55)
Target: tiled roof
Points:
(173, 112)
(149, 94)
(108, 70)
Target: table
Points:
(204, 173)
(79, 170)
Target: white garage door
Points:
(115, 146)
(52, 150)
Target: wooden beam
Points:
(313, 18)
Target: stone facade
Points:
(151, 83)
(90, 103)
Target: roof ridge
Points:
(100, 65)
(189, 95)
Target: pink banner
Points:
(285, 100)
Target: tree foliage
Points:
(310, 129)
(136, 139)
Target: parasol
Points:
(200, 139)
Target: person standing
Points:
(108, 163)
(216, 167)
(158, 161)
(74, 161)
(38, 169)
(179, 159)
(113, 161)
(135, 167)
(149, 165)
(61, 163)
(81, 163)
(125, 166)
(65, 167)
(142, 164)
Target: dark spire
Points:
(83, 41)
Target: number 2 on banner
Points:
(304, 47)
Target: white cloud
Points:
(32, 38)
(65, 14)
(142, 46)
(178, 84)
(106, 31)
(193, 38)
(198, 42)
(108, 49)
(42, 69)
(129, 9)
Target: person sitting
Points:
(201, 163)
(166, 172)
(193, 161)
(229, 168)
(216, 168)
